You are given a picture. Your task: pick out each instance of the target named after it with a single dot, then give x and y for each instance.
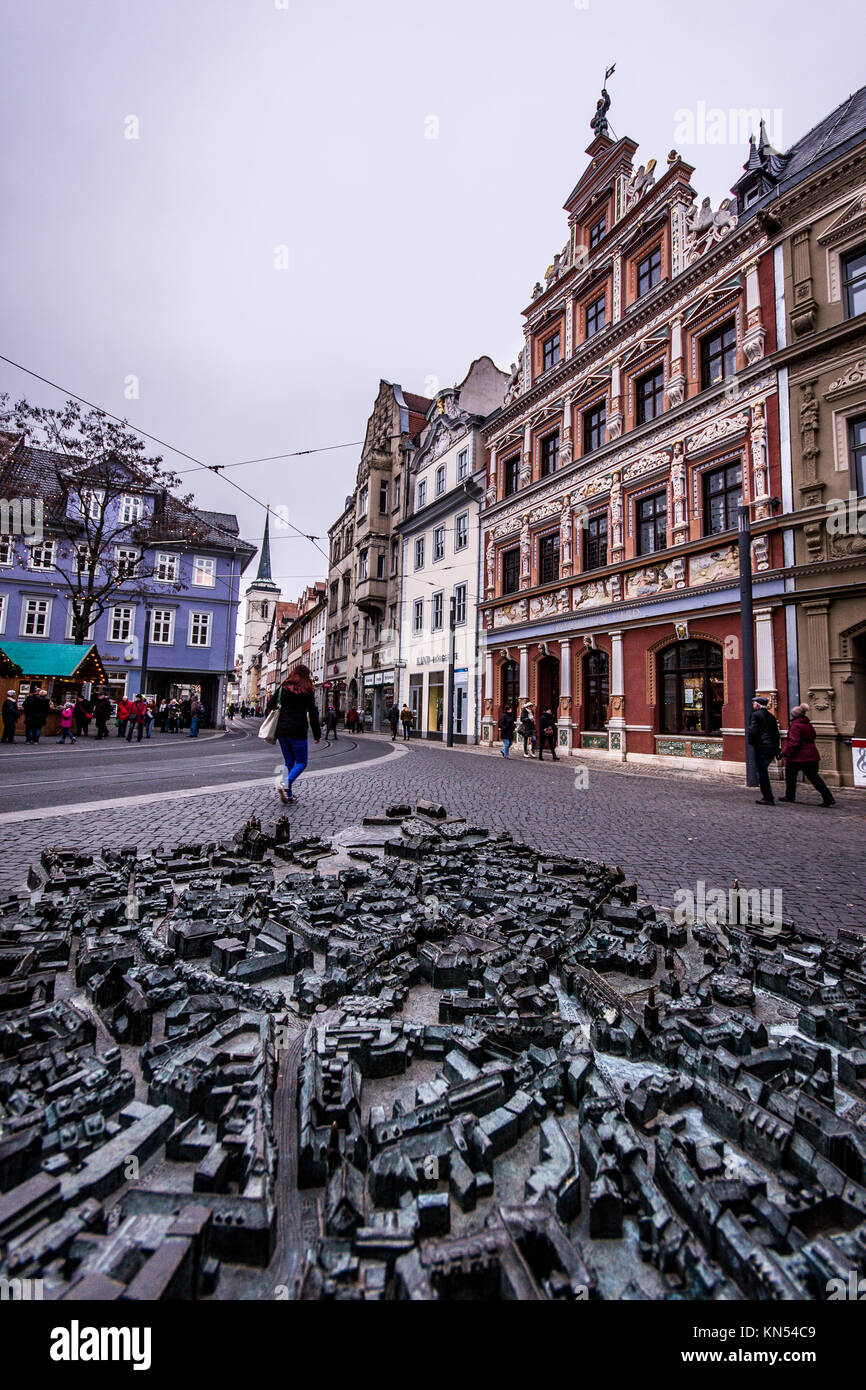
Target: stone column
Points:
(821, 695)
(524, 676)
(487, 718)
(566, 452)
(753, 340)
(765, 657)
(616, 721)
(564, 735)
(526, 457)
(677, 381)
(491, 476)
(615, 413)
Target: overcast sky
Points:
(405, 162)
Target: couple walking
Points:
(544, 737)
(800, 752)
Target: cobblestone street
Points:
(666, 832)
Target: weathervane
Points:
(599, 121)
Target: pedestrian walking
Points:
(102, 714)
(137, 718)
(37, 707)
(406, 721)
(151, 718)
(67, 718)
(124, 709)
(506, 731)
(83, 716)
(764, 738)
(801, 755)
(394, 719)
(330, 723)
(297, 705)
(547, 736)
(172, 718)
(196, 711)
(527, 730)
(11, 714)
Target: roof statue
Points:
(599, 121)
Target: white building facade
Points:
(441, 556)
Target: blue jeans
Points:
(506, 747)
(295, 754)
(193, 727)
(64, 734)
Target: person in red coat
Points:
(801, 755)
(124, 710)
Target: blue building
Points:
(169, 575)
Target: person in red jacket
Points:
(124, 710)
(801, 755)
(138, 717)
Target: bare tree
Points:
(106, 504)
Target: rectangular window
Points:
(335, 596)
(462, 465)
(347, 589)
(383, 497)
(438, 611)
(649, 395)
(461, 531)
(127, 561)
(652, 523)
(649, 271)
(380, 565)
(595, 542)
(460, 604)
(90, 501)
(199, 630)
(392, 617)
(162, 626)
(418, 616)
(511, 475)
(719, 354)
(511, 570)
(204, 571)
(362, 565)
(396, 492)
(857, 448)
(419, 553)
(70, 624)
(548, 559)
(440, 480)
(130, 508)
(167, 568)
(35, 617)
(549, 453)
(596, 232)
(120, 622)
(363, 500)
(723, 493)
(550, 352)
(438, 542)
(7, 553)
(422, 493)
(594, 425)
(41, 557)
(395, 556)
(595, 316)
(854, 282)
(4, 609)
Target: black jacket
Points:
(295, 710)
(764, 731)
(527, 723)
(37, 709)
(506, 726)
(11, 712)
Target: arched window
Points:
(510, 685)
(596, 689)
(691, 688)
(264, 609)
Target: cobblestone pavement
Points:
(667, 833)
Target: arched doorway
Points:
(596, 689)
(548, 685)
(691, 688)
(510, 686)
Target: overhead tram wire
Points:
(216, 468)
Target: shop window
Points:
(691, 688)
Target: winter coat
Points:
(11, 712)
(67, 714)
(36, 710)
(506, 726)
(527, 724)
(124, 709)
(764, 731)
(800, 743)
(102, 712)
(406, 715)
(331, 720)
(393, 716)
(295, 710)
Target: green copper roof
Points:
(63, 659)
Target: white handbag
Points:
(268, 728)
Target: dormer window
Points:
(131, 507)
(596, 232)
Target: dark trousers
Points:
(101, 729)
(547, 740)
(8, 731)
(810, 772)
(763, 760)
(406, 727)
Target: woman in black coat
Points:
(11, 715)
(297, 706)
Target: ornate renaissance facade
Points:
(642, 412)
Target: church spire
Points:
(265, 556)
